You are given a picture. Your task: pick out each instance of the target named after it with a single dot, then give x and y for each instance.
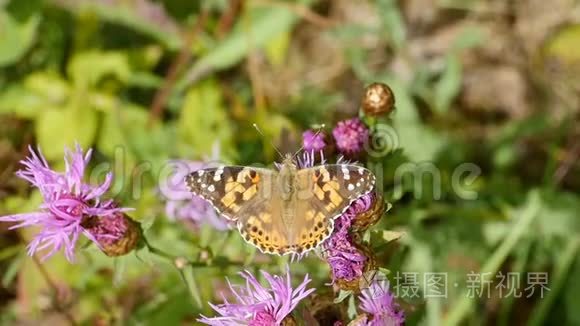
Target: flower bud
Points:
(289, 321)
(116, 234)
(378, 100)
(369, 217)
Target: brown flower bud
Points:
(370, 217)
(289, 321)
(116, 234)
(378, 100)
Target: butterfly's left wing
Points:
(324, 193)
(248, 196)
(231, 189)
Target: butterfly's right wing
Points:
(325, 193)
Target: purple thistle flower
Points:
(346, 261)
(350, 136)
(68, 203)
(377, 301)
(181, 204)
(313, 141)
(257, 305)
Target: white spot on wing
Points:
(345, 173)
(360, 170)
(350, 187)
(211, 188)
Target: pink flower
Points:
(346, 261)
(379, 303)
(257, 305)
(68, 204)
(350, 136)
(313, 141)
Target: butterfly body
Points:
(287, 211)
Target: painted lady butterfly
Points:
(287, 211)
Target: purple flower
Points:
(377, 301)
(346, 261)
(68, 203)
(308, 160)
(181, 204)
(350, 136)
(257, 305)
(313, 141)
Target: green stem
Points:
(175, 259)
(493, 264)
(519, 267)
(561, 270)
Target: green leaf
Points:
(115, 127)
(449, 85)
(119, 268)
(88, 68)
(392, 21)
(56, 129)
(277, 48)
(342, 295)
(126, 15)
(48, 85)
(390, 236)
(192, 284)
(16, 37)
(21, 102)
(204, 121)
(419, 142)
(257, 28)
(12, 270)
(563, 46)
(9, 251)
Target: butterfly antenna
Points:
(271, 142)
(316, 134)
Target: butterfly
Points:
(290, 211)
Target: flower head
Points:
(379, 303)
(68, 203)
(313, 141)
(181, 204)
(347, 261)
(257, 305)
(350, 136)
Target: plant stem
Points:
(561, 270)
(492, 265)
(162, 95)
(180, 261)
(54, 289)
